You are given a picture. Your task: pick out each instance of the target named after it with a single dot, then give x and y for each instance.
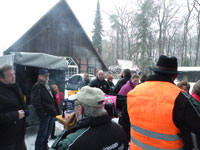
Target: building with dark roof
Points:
(59, 33)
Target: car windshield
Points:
(75, 79)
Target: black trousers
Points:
(20, 145)
(53, 130)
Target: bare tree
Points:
(115, 27)
(152, 28)
(171, 32)
(190, 8)
(167, 11)
(197, 8)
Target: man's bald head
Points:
(100, 75)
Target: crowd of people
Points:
(157, 114)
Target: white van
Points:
(190, 74)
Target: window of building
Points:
(91, 70)
(72, 68)
(71, 71)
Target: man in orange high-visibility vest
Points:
(158, 115)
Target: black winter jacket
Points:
(119, 84)
(11, 127)
(97, 133)
(103, 85)
(185, 116)
(42, 101)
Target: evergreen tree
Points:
(144, 34)
(97, 32)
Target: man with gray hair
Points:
(44, 101)
(94, 129)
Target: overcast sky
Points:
(17, 16)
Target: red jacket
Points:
(59, 97)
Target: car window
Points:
(80, 79)
(75, 79)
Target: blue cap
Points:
(44, 72)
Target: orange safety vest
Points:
(150, 108)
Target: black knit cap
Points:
(167, 65)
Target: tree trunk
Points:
(198, 42)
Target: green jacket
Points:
(95, 133)
(64, 144)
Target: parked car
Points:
(74, 81)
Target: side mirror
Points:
(67, 80)
(66, 83)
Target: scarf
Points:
(195, 96)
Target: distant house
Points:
(126, 64)
(59, 33)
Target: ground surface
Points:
(31, 133)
